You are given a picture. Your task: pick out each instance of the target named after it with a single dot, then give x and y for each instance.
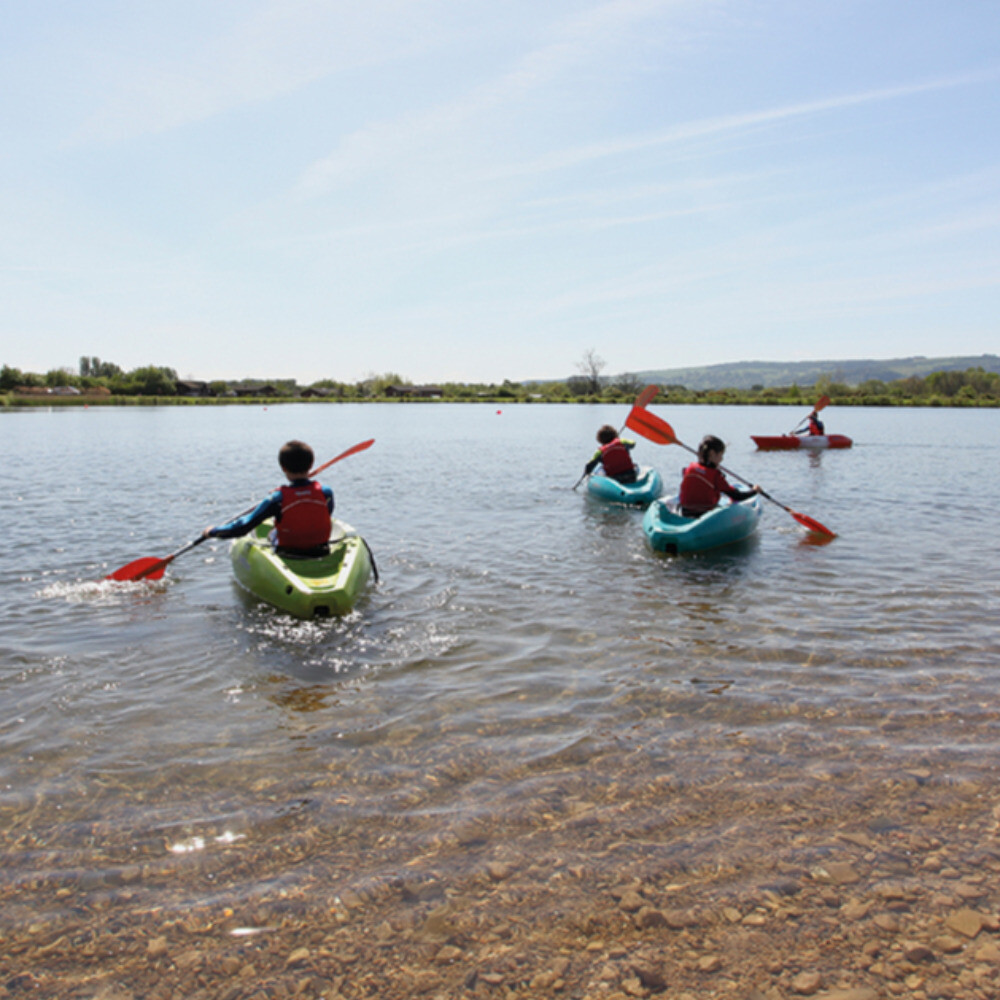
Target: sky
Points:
(473, 191)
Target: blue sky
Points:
(460, 190)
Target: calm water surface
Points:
(523, 644)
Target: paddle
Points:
(821, 403)
(151, 568)
(640, 402)
(655, 429)
(344, 454)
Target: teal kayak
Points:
(304, 586)
(648, 486)
(670, 532)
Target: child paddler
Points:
(301, 510)
(613, 456)
(703, 483)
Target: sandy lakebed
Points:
(601, 885)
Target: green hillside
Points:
(771, 374)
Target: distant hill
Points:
(769, 374)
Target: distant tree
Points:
(628, 384)
(60, 376)
(590, 367)
(458, 390)
(945, 383)
(912, 387)
(375, 384)
(872, 387)
(985, 383)
(554, 390)
(150, 380)
(94, 367)
(10, 378)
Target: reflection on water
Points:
(527, 676)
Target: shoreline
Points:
(17, 403)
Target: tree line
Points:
(973, 387)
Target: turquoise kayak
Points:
(648, 486)
(304, 586)
(670, 532)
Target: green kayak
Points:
(304, 586)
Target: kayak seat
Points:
(318, 552)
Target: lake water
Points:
(525, 660)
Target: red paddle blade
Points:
(344, 454)
(812, 524)
(147, 568)
(650, 426)
(820, 403)
(646, 395)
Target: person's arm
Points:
(593, 463)
(239, 526)
(732, 492)
(737, 495)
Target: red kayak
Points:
(789, 442)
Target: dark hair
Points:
(607, 434)
(710, 443)
(296, 457)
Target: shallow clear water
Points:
(523, 646)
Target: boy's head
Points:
(606, 434)
(295, 458)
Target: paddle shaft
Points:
(804, 519)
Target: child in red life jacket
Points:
(815, 426)
(613, 455)
(301, 510)
(704, 483)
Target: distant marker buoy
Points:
(499, 412)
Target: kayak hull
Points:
(646, 488)
(304, 587)
(792, 442)
(667, 531)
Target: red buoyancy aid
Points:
(305, 518)
(615, 458)
(815, 426)
(701, 487)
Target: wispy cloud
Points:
(279, 47)
(389, 142)
(688, 131)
